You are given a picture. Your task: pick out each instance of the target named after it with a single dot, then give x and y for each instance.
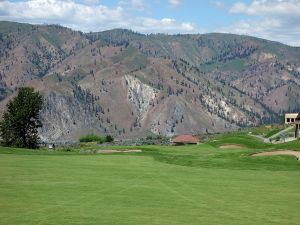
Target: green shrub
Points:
(91, 138)
(109, 138)
(149, 137)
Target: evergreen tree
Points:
(20, 122)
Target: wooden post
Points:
(297, 123)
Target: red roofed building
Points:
(185, 139)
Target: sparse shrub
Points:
(109, 138)
(91, 138)
(149, 137)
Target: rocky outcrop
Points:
(65, 118)
(140, 95)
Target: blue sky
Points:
(277, 20)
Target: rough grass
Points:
(241, 139)
(267, 131)
(236, 65)
(162, 185)
(272, 132)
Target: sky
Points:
(277, 20)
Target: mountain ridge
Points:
(128, 84)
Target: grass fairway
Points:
(163, 185)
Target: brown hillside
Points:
(126, 84)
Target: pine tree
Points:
(20, 122)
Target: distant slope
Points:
(128, 84)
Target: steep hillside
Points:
(28, 52)
(127, 84)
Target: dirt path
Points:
(280, 152)
(231, 146)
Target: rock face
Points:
(62, 116)
(127, 84)
(140, 95)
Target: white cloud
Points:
(238, 7)
(165, 25)
(217, 4)
(268, 8)
(88, 17)
(91, 2)
(266, 28)
(174, 3)
(271, 19)
(138, 5)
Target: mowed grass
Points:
(200, 184)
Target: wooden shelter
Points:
(293, 119)
(185, 139)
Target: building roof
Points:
(188, 139)
(292, 115)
